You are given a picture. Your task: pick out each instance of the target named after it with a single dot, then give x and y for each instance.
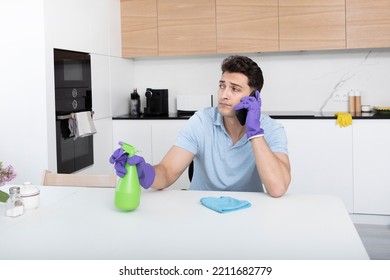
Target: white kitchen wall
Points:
(23, 136)
(294, 81)
(27, 110)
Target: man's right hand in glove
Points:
(146, 173)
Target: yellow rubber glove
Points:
(343, 119)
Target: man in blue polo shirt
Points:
(227, 155)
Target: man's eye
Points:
(221, 86)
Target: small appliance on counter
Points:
(187, 105)
(156, 102)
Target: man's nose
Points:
(225, 93)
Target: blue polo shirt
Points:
(218, 164)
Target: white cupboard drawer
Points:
(371, 146)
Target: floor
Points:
(376, 239)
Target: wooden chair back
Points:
(79, 180)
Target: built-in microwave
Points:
(72, 69)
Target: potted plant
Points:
(7, 174)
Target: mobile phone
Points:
(241, 113)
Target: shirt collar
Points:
(218, 120)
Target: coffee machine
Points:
(156, 102)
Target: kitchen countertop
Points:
(272, 114)
(171, 116)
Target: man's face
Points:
(232, 87)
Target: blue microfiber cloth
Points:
(224, 204)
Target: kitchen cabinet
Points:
(368, 23)
(174, 27)
(100, 78)
(351, 162)
(82, 25)
(371, 152)
(321, 158)
(167, 27)
(247, 26)
(102, 148)
(135, 133)
(164, 134)
(139, 28)
(153, 138)
(186, 27)
(311, 24)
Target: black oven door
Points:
(72, 154)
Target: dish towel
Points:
(84, 124)
(72, 125)
(224, 204)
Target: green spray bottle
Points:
(128, 190)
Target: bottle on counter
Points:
(358, 103)
(135, 104)
(128, 189)
(14, 203)
(351, 102)
(354, 102)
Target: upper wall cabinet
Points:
(139, 28)
(368, 23)
(186, 27)
(311, 24)
(247, 26)
(178, 27)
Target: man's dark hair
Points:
(246, 66)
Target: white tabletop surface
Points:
(82, 223)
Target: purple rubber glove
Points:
(145, 171)
(253, 105)
(119, 159)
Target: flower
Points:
(6, 174)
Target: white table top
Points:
(82, 223)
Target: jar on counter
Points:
(15, 206)
(30, 195)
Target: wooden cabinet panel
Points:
(139, 28)
(177, 27)
(368, 23)
(186, 27)
(311, 24)
(247, 26)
